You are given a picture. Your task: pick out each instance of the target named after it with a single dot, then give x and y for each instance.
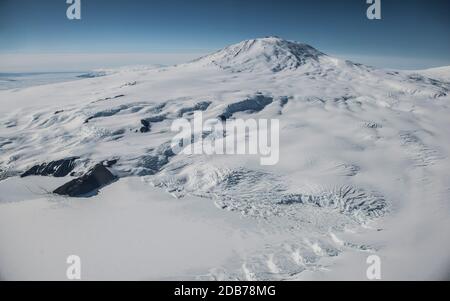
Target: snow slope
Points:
(440, 73)
(364, 169)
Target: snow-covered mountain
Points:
(265, 54)
(363, 170)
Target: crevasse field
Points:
(364, 170)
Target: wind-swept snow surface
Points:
(441, 73)
(364, 169)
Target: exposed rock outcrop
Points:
(59, 168)
(88, 184)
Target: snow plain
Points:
(364, 169)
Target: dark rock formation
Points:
(110, 163)
(251, 105)
(60, 168)
(89, 184)
(147, 122)
(145, 126)
(284, 101)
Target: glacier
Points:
(364, 169)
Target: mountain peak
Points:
(268, 53)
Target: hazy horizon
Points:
(82, 62)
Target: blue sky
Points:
(412, 34)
